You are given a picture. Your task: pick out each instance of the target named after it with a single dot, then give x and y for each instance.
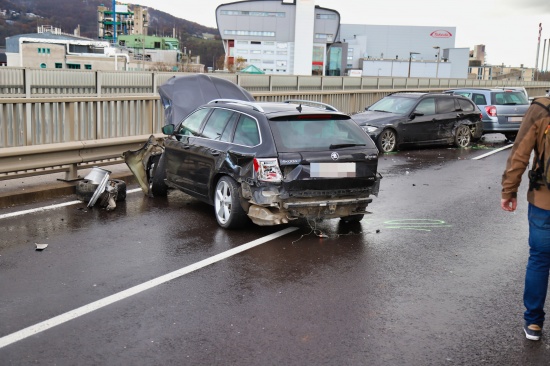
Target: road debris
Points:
(41, 246)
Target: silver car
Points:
(502, 108)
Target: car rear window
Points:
(508, 98)
(466, 105)
(317, 133)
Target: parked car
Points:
(268, 162)
(414, 119)
(502, 108)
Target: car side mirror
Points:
(168, 129)
(415, 114)
(367, 107)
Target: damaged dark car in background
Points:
(264, 162)
(407, 119)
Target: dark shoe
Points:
(532, 332)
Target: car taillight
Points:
(491, 110)
(267, 170)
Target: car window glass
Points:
(479, 99)
(426, 106)
(246, 132)
(445, 105)
(215, 125)
(393, 104)
(464, 94)
(314, 134)
(509, 98)
(466, 105)
(229, 127)
(191, 125)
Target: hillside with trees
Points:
(24, 16)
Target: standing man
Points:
(531, 136)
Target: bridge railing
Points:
(50, 120)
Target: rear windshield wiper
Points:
(339, 146)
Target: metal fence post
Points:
(28, 107)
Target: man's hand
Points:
(509, 204)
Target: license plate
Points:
(333, 170)
(515, 119)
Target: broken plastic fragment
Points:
(40, 246)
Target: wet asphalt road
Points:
(433, 276)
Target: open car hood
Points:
(181, 95)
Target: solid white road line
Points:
(493, 152)
(51, 207)
(60, 319)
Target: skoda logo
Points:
(334, 156)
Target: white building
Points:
(278, 37)
(296, 37)
(390, 50)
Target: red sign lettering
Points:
(441, 34)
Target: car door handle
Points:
(214, 152)
(185, 146)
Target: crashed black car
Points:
(418, 119)
(265, 162)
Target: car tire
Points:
(463, 136)
(85, 189)
(387, 141)
(227, 204)
(352, 218)
(158, 185)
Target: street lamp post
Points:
(410, 59)
(437, 64)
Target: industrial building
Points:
(297, 37)
(50, 48)
(407, 51)
(279, 37)
(124, 21)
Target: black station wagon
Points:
(264, 161)
(418, 119)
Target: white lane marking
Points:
(39, 209)
(51, 207)
(60, 319)
(493, 152)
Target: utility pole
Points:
(543, 51)
(538, 48)
(437, 64)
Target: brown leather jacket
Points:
(530, 137)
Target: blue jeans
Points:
(538, 266)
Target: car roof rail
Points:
(252, 105)
(313, 103)
(407, 91)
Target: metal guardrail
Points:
(68, 157)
